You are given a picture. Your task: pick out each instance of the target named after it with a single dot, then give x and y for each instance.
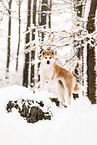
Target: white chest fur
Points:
(46, 74)
(46, 71)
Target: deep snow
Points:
(75, 125)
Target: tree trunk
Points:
(9, 37)
(26, 65)
(43, 15)
(79, 45)
(50, 5)
(42, 22)
(78, 7)
(91, 18)
(91, 73)
(33, 51)
(19, 34)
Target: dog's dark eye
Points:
(45, 57)
(43, 53)
(50, 57)
(52, 52)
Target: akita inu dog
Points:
(65, 81)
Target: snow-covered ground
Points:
(75, 125)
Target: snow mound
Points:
(74, 125)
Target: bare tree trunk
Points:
(43, 15)
(26, 65)
(91, 18)
(91, 73)
(50, 5)
(43, 22)
(19, 34)
(79, 8)
(9, 37)
(32, 81)
(79, 45)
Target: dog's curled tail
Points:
(76, 89)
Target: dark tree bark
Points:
(50, 5)
(91, 73)
(44, 15)
(78, 8)
(42, 22)
(9, 36)
(32, 81)
(91, 18)
(78, 44)
(26, 65)
(19, 34)
(80, 54)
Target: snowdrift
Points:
(74, 125)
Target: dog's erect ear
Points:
(43, 52)
(52, 52)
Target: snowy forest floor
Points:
(74, 125)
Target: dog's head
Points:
(48, 57)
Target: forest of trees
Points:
(38, 34)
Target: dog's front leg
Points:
(48, 85)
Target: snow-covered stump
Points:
(27, 110)
(32, 110)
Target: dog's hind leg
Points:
(69, 96)
(60, 90)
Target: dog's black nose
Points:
(48, 62)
